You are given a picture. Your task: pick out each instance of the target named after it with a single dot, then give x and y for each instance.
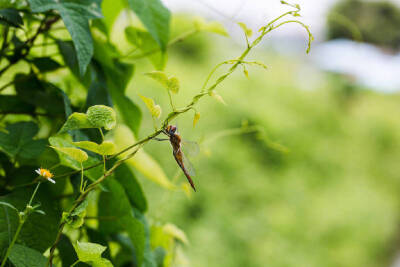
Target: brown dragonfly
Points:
(176, 143)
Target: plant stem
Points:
(34, 193)
(20, 224)
(75, 263)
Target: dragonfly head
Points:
(171, 129)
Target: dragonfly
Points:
(176, 143)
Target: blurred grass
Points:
(329, 198)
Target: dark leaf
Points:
(39, 231)
(155, 17)
(22, 256)
(11, 17)
(18, 140)
(13, 104)
(132, 188)
(115, 206)
(76, 16)
(46, 64)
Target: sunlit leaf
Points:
(155, 110)
(169, 83)
(90, 252)
(102, 116)
(217, 97)
(75, 153)
(105, 148)
(213, 27)
(196, 118)
(177, 233)
(245, 29)
(76, 121)
(142, 162)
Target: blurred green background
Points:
(318, 183)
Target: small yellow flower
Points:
(45, 174)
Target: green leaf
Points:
(111, 10)
(76, 15)
(39, 93)
(22, 256)
(76, 121)
(245, 29)
(46, 64)
(146, 44)
(89, 252)
(13, 104)
(102, 263)
(105, 148)
(8, 205)
(132, 188)
(155, 17)
(115, 204)
(171, 83)
(38, 232)
(67, 252)
(155, 110)
(213, 27)
(75, 153)
(65, 160)
(11, 17)
(17, 142)
(102, 116)
(175, 232)
(196, 118)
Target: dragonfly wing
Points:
(191, 148)
(188, 166)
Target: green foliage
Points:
(91, 253)
(76, 16)
(155, 18)
(69, 113)
(373, 22)
(17, 141)
(11, 17)
(22, 256)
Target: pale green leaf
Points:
(169, 83)
(105, 148)
(196, 118)
(177, 233)
(102, 116)
(155, 110)
(160, 77)
(142, 162)
(76, 121)
(217, 97)
(173, 85)
(213, 27)
(75, 153)
(89, 252)
(246, 30)
(102, 263)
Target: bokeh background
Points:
(301, 166)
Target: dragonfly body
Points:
(176, 141)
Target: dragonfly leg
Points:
(161, 139)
